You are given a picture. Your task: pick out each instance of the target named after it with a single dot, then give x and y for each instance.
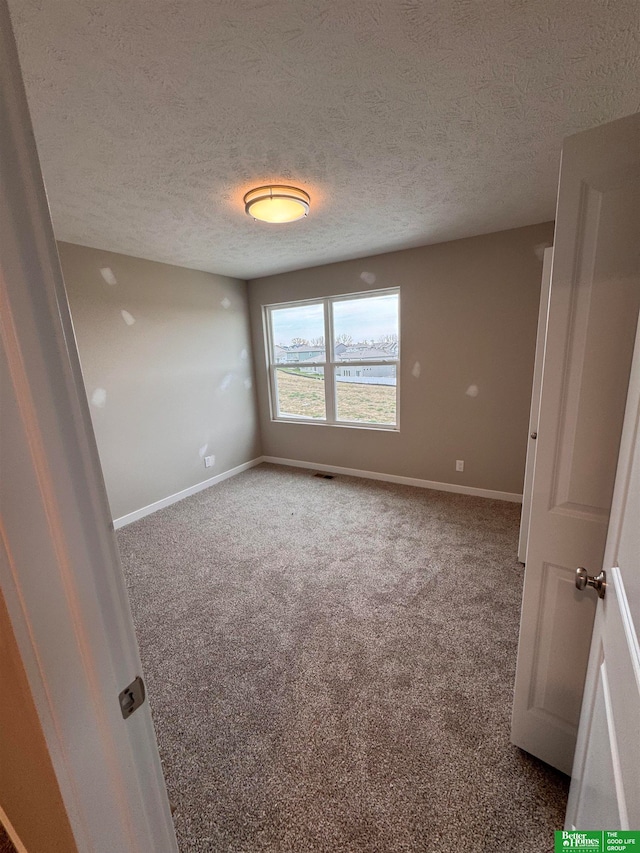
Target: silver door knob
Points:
(534, 435)
(598, 582)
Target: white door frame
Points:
(59, 566)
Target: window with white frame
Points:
(355, 380)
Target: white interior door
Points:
(593, 310)
(534, 414)
(59, 565)
(605, 784)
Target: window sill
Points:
(339, 424)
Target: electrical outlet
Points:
(459, 464)
(208, 461)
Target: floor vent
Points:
(324, 476)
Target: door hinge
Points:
(132, 697)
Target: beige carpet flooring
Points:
(330, 667)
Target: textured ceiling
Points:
(408, 121)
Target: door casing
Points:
(59, 564)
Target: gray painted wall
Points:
(468, 318)
(167, 381)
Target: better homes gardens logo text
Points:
(579, 841)
(607, 841)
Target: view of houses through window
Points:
(356, 381)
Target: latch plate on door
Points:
(132, 697)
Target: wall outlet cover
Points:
(459, 464)
(208, 461)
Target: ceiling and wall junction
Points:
(409, 123)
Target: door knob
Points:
(534, 435)
(598, 582)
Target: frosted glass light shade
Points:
(277, 203)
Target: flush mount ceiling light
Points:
(277, 203)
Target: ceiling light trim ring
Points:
(272, 192)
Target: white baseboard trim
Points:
(394, 478)
(316, 466)
(185, 493)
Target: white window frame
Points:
(331, 362)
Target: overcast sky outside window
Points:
(363, 319)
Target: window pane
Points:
(300, 392)
(298, 334)
(366, 394)
(366, 328)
